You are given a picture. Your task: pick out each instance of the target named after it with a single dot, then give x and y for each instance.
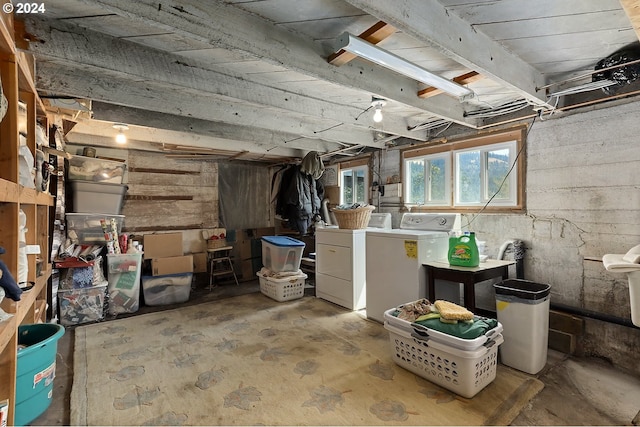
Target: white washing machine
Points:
(394, 259)
(341, 265)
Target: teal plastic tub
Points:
(36, 369)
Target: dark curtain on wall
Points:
(243, 191)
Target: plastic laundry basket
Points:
(523, 311)
(36, 369)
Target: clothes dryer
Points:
(341, 264)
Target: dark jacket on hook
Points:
(299, 198)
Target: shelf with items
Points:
(19, 127)
(23, 310)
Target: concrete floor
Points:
(578, 391)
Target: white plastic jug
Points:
(23, 262)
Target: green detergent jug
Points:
(463, 250)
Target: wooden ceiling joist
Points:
(238, 155)
(463, 79)
(374, 35)
(632, 9)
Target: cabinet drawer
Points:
(333, 237)
(336, 290)
(334, 261)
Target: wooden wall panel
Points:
(166, 193)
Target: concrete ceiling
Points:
(250, 79)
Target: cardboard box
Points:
(200, 262)
(163, 246)
(333, 194)
(172, 265)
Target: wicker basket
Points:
(353, 219)
(216, 243)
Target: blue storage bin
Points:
(36, 369)
(281, 253)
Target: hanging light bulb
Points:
(377, 103)
(377, 116)
(121, 138)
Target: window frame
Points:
(429, 159)
(484, 150)
(485, 142)
(355, 165)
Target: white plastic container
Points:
(463, 372)
(81, 168)
(82, 305)
(97, 197)
(167, 289)
(284, 288)
(124, 282)
(281, 253)
(87, 228)
(23, 261)
(450, 340)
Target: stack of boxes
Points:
(171, 272)
(98, 194)
(281, 278)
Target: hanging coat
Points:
(299, 200)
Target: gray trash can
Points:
(523, 311)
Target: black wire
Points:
(508, 172)
(370, 107)
(329, 128)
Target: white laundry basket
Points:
(282, 288)
(464, 372)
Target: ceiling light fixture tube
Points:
(384, 58)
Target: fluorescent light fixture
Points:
(386, 59)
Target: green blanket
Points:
(469, 331)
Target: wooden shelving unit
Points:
(17, 74)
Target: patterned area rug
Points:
(250, 360)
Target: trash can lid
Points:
(283, 241)
(524, 289)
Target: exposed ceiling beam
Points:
(374, 35)
(64, 79)
(431, 22)
(226, 26)
(96, 132)
(134, 116)
(65, 42)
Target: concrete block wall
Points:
(583, 201)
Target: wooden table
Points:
(468, 276)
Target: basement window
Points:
(485, 172)
(354, 181)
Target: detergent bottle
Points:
(463, 250)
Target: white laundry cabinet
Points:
(341, 267)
